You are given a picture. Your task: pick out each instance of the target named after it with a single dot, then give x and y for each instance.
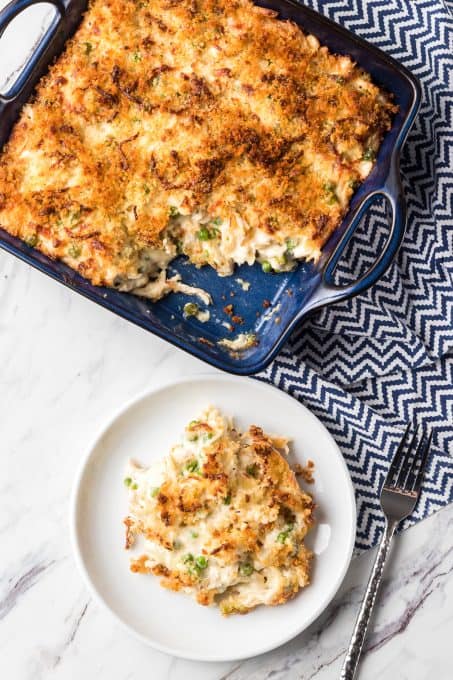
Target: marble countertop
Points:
(66, 365)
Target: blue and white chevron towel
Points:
(369, 365)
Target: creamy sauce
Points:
(240, 343)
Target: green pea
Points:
(369, 154)
(74, 250)
(246, 569)
(201, 562)
(329, 188)
(283, 535)
(266, 267)
(193, 466)
(290, 245)
(127, 481)
(252, 470)
(217, 221)
(191, 309)
(195, 566)
(203, 234)
(194, 534)
(32, 240)
(155, 491)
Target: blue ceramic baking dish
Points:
(311, 286)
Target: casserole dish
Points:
(309, 287)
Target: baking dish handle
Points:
(327, 291)
(7, 14)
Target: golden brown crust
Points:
(202, 103)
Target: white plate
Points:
(172, 622)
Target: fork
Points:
(399, 497)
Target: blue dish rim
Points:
(67, 17)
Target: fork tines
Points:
(407, 467)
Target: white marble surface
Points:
(65, 365)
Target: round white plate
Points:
(173, 622)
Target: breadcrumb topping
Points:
(204, 127)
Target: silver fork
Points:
(399, 497)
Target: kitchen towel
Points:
(367, 366)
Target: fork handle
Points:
(351, 662)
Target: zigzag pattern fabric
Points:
(369, 365)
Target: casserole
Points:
(221, 517)
(309, 287)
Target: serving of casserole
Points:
(203, 128)
(221, 517)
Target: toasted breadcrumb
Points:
(305, 471)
